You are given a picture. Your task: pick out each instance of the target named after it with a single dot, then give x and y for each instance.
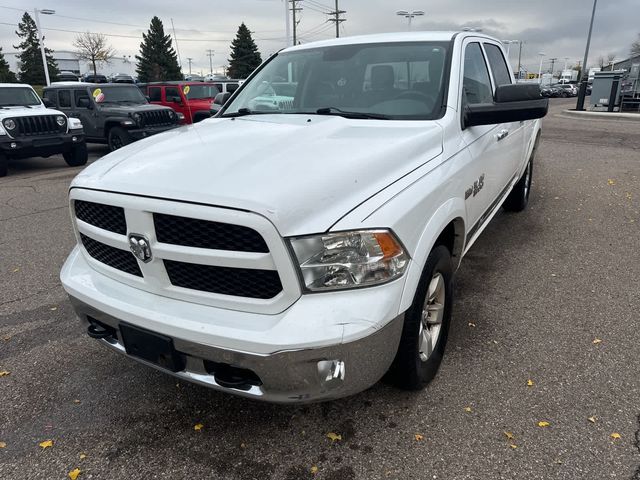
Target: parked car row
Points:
(562, 90)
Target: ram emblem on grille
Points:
(140, 247)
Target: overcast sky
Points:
(556, 27)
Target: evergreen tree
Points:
(157, 60)
(30, 58)
(245, 57)
(6, 75)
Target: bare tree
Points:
(611, 59)
(93, 47)
(635, 47)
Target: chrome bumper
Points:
(292, 376)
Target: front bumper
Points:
(40, 145)
(140, 133)
(323, 347)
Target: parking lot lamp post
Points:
(584, 76)
(44, 11)
(409, 15)
(540, 69)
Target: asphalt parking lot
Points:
(550, 295)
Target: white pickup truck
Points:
(301, 250)
(29, 129)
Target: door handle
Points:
(502, 134)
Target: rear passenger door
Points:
(87, 116)
(490, 146)
(501, 75)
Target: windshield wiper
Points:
(242, 112)
(346, 114)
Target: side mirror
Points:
(221, 98)
(512, 103)
(48, 103)
(84, 102)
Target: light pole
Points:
(584, 79)
(189, 59)
(410, 15)
(287, 23)
(540, 69)
(44, 11)
(566, 59)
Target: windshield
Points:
(393, 80)
(16, 96)
(194, 92)
(131, 95)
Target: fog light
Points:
(331, 372)
(14, 144)
(74, 139)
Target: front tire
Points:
(426, 325)
(4, 166)
(77, 156)
(118, 138)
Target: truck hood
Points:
(21, 111)
(126, 109)
(301, 172)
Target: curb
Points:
(629, 117)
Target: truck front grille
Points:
(37, 125)
(193, 232)
(114, 257)
(241, 282)
(157, 118)
(106, 217)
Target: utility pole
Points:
(337, 20)
(287, 23)
(189, 60)
(584, 79)
(294, 10)
(553, 64)
(210, 54)
(520, 60)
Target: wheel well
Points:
(108, 126)
(452, 237)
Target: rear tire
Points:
(426, 325)
(519, 197)
(118, 138)
(77, 156)
(4, 166)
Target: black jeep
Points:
(116, 114)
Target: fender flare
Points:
(452, 211)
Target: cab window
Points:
(78, 94)
(64, 98)
(498, 66)
(232, 87)
(155, 94)
(476, 85)
(172, 94)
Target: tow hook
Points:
(99, 330)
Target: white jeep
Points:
(29, 129)
(301, 252)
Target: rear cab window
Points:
(499, 69)
(155, 94)
(64, 99)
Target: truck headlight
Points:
(9, 124)
(60, 120)
(180, 115)
(74, 124)
(137, 118)
(351, 259)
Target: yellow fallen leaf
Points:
(596, 341)
(472, 325)
(75, 473)
(3, 445)
(243, 445)
(529, 383)
(15, 270)
(46, 444)
(314, 470)
(198, 426)
(53, 309)
(615, 436)
(4, 373)
(76, 401)
(611, 181)
(334, 436)
(83, 456)
(509, 435)
(543, 424)
(418, 437)
(513, 446)
(592, 419)
(467, 409)
(6, 339)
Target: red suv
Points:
(192, 99)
